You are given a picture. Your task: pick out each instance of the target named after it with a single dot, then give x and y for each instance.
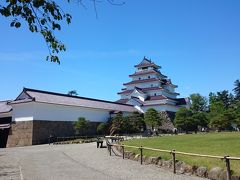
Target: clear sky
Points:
(197, 43)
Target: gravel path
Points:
(76, 161)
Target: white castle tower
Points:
(149, 88)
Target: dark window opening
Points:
(149, 77)
(155, 94)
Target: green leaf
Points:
(17, 24)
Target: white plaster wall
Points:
(140, 69)
(144, 85)
(152, 93)
(52, 112)
(23, 112)
(142, 97)
(144, 77)
(68, 113)
(163, 101)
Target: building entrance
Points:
(5, 125)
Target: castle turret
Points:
(149, 88)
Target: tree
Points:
(223, 121)
(200, 119)
(152, 118)
(102, 128)
(81, 126)
(237, 89)
(44, 17)
(72, 93)
(221, 118)
(223, 96)
(137, 122)
(238, 120)
(116, 124)
(198, 103)
(236, 109)
(184, 121)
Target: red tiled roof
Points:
(152, 98)
(161, 104)
(122, 101)
(145, 72)
(168, 82)
(146, 62)
(141, 89)
(126, 92)
(142, 81)
(182, 101)
(147, 65)
(152, 88)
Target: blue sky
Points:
(197, 43)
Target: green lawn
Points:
(211, 144)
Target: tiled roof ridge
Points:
(149, 62)
(1, 101)
(142, 89)
(66, 95)
(146, 72)
(5, 107)
(142, 81)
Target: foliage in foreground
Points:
(43, 17)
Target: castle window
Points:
(139, 78)
(155, 94)
(151, 85)
(148, 77)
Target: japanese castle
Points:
(149, 88)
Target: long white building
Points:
(35, 114)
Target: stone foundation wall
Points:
(167, 123)
(27, 133)
(43, 129)
(20, 134)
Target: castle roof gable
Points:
(146, 63)
(64, 99)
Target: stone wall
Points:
(26, 133)
(43, 129)
(167, 123)
(20, 134)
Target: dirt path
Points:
(77, 161)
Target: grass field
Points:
(211, 144)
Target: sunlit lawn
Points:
(222, 144)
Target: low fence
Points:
(173, 152)
(61, 139)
